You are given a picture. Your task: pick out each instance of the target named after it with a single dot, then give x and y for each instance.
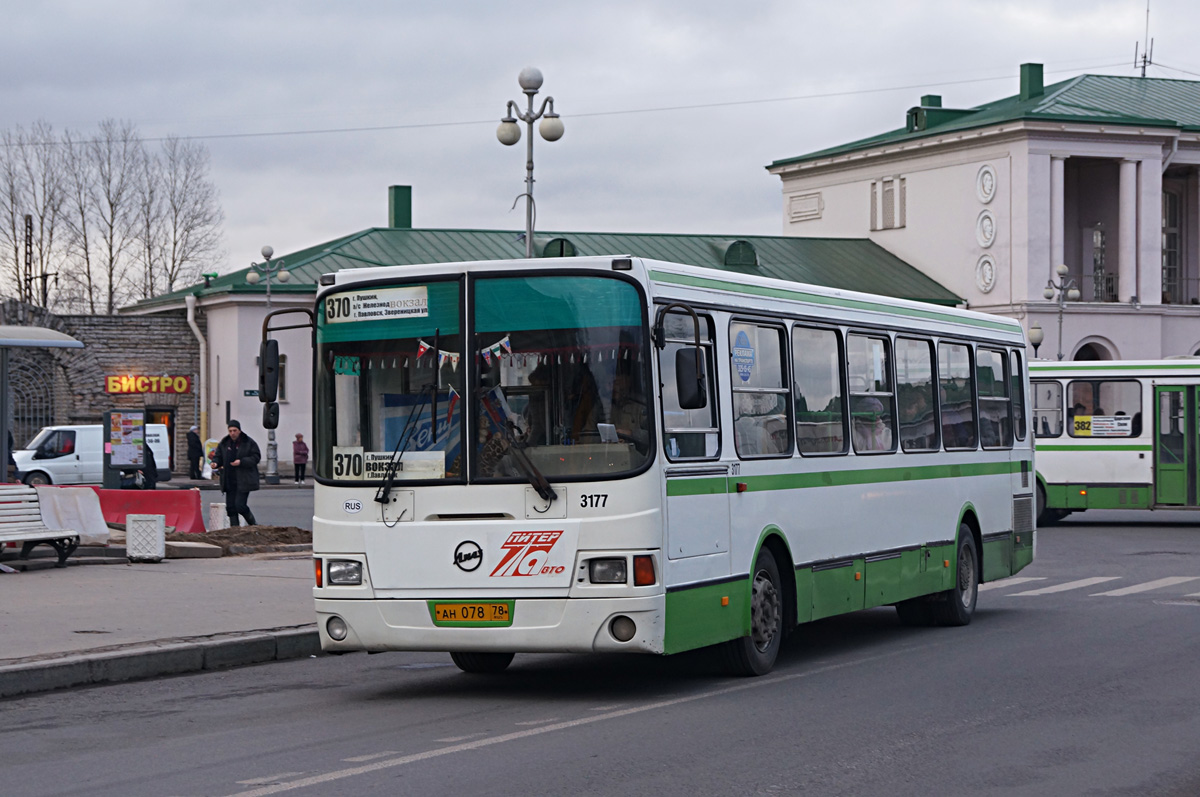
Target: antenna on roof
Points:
(1147, 58)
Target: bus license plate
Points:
(473, 613)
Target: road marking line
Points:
(1149, 585)
(537, 722)
(461, 738)
(358, 759)
(606, 708)
(757, 683)
(270, 779)
(1009, 582)
(1083, 582)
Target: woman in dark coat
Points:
(237, 456)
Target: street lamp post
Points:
(258, 272)
(509, 133)
(1065, 290)
(1036, 336)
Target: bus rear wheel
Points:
(482, 663)
(756, 654)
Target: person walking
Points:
(195, 453)
(237, 456)
(299, 457)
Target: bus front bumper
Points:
(539, 625)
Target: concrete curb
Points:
(157, 658)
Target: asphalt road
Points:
(285, 505)
(1084, 679)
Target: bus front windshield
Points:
(563, 387)
(390, 383)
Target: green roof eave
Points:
(1086, 99)
(856, 264)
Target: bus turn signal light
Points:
(643, 571)
(317, 566)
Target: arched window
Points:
(1093, 351)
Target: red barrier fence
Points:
(182, 508)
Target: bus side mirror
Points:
(268, 372)
(271, 415)
(689, 379)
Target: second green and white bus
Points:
(1118, 434)
(614, 454)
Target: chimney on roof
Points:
(400, 206)
(1031, 81)
(931, 100)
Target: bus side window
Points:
(872, 400)
(687, 434)
(1018, 394)
(957, 394)
(1047, 409)
(820, 402)
(761, 423)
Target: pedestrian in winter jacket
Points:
(195, 452)
(299, 457)
(237, 456)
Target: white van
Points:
(75, 454)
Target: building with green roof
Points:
(233, 308)
(1097, 173)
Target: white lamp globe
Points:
(551, 127)
(253, 278)
(267, 252)
(530, 78)
(1048, 293)
(1073, 295)
(283, 276)
(509, 132)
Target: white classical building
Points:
(1099, 173)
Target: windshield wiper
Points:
(406, 435)
(532, 474)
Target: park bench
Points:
(21, 521)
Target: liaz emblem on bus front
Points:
(527, 554)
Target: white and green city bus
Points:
(1118, 434)
(615, 454)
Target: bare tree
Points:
(11, 201)
(192, 212)
(117, 152)
(80, 279)
(150, 232)
(31, 181)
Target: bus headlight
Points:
(343, 573)
(607, 571)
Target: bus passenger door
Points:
(1174, 451)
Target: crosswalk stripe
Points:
(1080, 584)
(1149, 585)
(1009, 582)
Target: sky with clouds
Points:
(671, 110)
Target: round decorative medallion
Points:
(985, 183)
(985, 273)
(985, 229)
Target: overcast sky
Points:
(441, 73)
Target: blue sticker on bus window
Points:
(743, 356)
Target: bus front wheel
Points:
(958, 602)
(756, 654)
(482, 662)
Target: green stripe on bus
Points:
(1105, 447)
(837, 478)
(1143, 367)
(831, 301)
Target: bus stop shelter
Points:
(15, 337)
